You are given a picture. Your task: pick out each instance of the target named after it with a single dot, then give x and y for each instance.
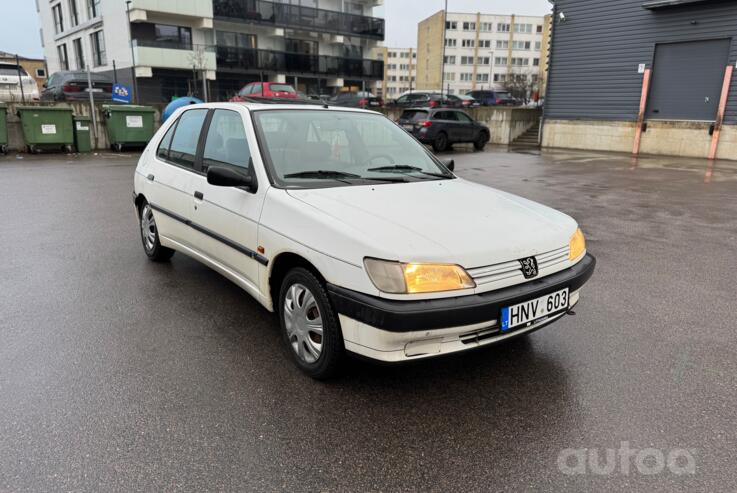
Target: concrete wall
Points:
(15, 130)
(666, 138)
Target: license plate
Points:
(535, 310)
(374, 103)
(409, 127)
(94, 89)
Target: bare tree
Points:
(198, 60)
(522, 83)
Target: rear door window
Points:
(165, 144)
(226, 143)
(186, 137)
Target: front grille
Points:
(512, 270)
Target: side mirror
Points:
(449, 163)
(221, 176)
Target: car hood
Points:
(451, 221)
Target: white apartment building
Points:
(481, 51)
(400, 74)
(175, 46)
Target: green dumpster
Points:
(128, 125)
(3, 128)
(82, 140)
(47, 127)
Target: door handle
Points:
(199, 195)
(150, 177)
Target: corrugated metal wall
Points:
(596, 52)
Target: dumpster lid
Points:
(128, 108)
(82, 118)
(44, 108)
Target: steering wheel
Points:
(385, 156)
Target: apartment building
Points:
(464, 52)
(399, 72)
(211, 48)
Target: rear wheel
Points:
(118, 147)
(309, 325)
(481, 141)
(440, 143)
(150, 236)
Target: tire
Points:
(440, 143)
(118, 147)
(305, 310)
(481, 141)
(150, 235)
(68, 149)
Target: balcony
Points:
(297, 17)
(172, 55)
(250, 60)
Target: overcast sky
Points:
(19, 32)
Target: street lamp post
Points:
(133, 52)
(445, 41)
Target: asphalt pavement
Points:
(119, 374)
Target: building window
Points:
(502, 44)
(236, 40)
(484, 43)
(500, 60)
(535, 62)
(450, 76)
(97, 40)
(500, 77)
(468, 43)
(469, 26)
(41, 73)
(466, 77)
(538, 45)
(482, 77)
(521, 45)
(483, 60)
(523, 28)
(466, 60)
(181, 37)
(58, 19)
(502, 28)
(487, 27)
(449, 60)
(63, 58)
(73, 13)
(520, 62)
(539, 29)
(451, 25)
(93, 8)
(451, 43)
(78, 53)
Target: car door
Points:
(169, 177)
(467, 127)
(226, 218)
(454, 129)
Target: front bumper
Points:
(394, 330)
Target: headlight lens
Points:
(577, 245)
(400, 278)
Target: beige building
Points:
(400, 72)
(481, 51)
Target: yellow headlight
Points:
(397, 277)
(431, 278)
(577, 245)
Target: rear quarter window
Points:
(414, 116)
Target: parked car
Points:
(468, 101)
(73, 86)
(421, 100)
(493, 97)
(12, 80)
(352, 232)
(359, 99)
(267, 90)
(443, 127)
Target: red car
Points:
(271, 90)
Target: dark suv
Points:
(73, 86)
(493, 98)
(443, 127)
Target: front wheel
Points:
(150, 236)
(309, 325)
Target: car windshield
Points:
(11, 70)
(318, 148)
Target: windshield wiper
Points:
(406, 169)
(322, 174)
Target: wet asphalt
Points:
(118, 374)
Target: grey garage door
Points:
(687, 80)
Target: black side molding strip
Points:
(422, 315)
(225, 241)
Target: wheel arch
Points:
(280, 265)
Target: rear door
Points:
(226, 218)
(467, 126)
(698, 67)
(170, 178)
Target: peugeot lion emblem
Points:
(529, 267)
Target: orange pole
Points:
(720, 113)
(641, 114)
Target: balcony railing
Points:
(251, 60)
(172, 45)
(297, 17)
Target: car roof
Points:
(258, 106)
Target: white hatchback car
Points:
(355, 234)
